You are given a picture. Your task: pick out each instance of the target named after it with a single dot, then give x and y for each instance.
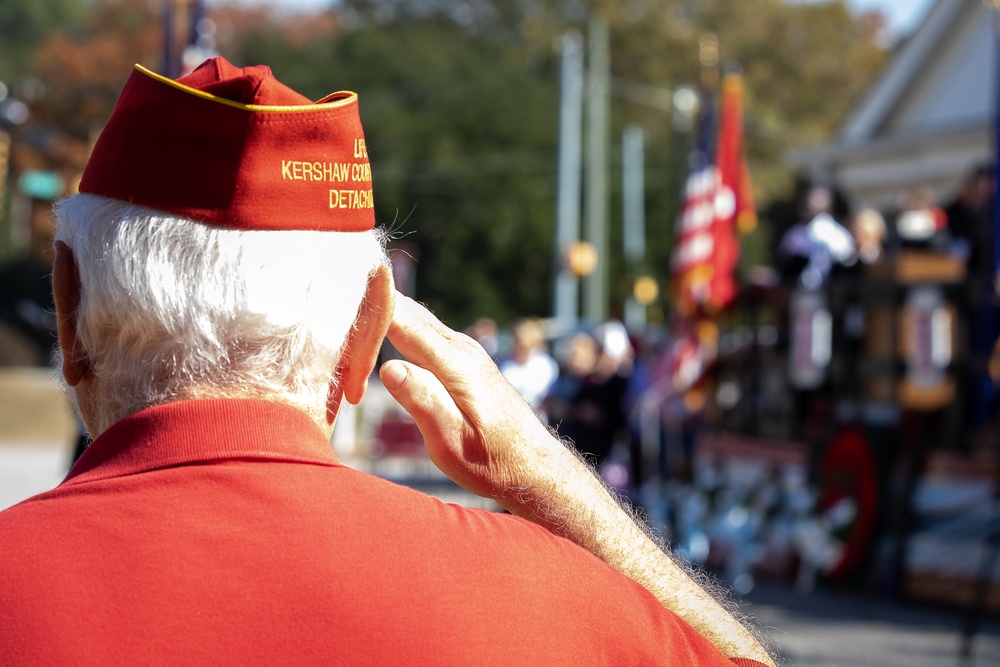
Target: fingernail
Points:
(392, 373)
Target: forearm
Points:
(560, 492)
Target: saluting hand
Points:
(476, 427)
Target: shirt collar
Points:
(202, 430)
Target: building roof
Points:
(927, 120)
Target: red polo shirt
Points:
(226, 532)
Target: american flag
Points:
(718, 202)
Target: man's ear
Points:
(365, 340)
(66, 291)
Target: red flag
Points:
(734, 202)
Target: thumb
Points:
(423, 396)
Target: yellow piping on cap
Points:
(351, 97)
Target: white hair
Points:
(172, 308)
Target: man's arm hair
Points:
(480, 433)
(594, 515)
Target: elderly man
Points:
(220, 290)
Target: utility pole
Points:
(634, 216)
(596, 284)
(168, 67)
(566, 292)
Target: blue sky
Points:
(903, 15)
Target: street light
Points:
(580, 258)
(645, 290)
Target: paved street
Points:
(826, 630)
(30, 468)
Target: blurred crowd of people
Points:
(578, 384)
(617, 396)
(635, 406)
(818, 244)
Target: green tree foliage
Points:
(462, 137)
(85, 66)
(460, 104)
(23, 25)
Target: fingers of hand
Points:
(449, 438)
(476, 427)
(424, 340)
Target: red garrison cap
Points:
(235, 147)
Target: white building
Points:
(928, 121)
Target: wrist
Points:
(550, 484)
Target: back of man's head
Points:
(247, 286)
